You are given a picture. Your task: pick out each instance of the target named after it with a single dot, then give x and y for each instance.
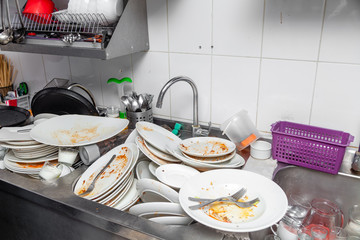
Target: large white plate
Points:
(111, 176)
(161, 154)
(77, 130)
(207, 146)
(216, 183)
(142, 170)
(11, 157)
(214, 160)
(12, 134)
(141, 144)
(148, 208)
(130, 197)
(22, 143)
(148, 186)
(172, 220)
(175, 175)
(157, 136)
(236, 161)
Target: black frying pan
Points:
(12, 116)
(61, 101)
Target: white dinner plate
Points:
(22, 143)
(141, 144)
(132, 139)
(207, 146)
(142, 170)
(172, 220)
(216, 183)
(25, 147)
(130, 198)
(11, 157)
(236, 161)
(13, 133)
(111, 176)
(153, 167)
(148, 186)
(117, 198)
(149, 208)
(212, 160)
(157, 136)
(175, 175)
(77, 130)
(161, 154)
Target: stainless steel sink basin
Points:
(342, 188)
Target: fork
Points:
(236, 196)
(226, 199)
(92, 185)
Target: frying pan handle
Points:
(71, 86)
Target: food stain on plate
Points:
(76, 135)
(114, 170)
(231, 213)
(31, 165)
(147, 128)
(205, 148)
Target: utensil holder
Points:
(5, 90)
(135, 117)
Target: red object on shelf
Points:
(39, 11)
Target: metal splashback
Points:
(129, 35)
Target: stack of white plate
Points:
(116, 187)
(205, 153)
(154, 141)
(28, 157)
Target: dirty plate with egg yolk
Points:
(226, 216)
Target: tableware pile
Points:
(203, 153)
(28, 157)
(116, 185)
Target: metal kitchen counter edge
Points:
(58, 197)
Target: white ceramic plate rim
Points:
(231, 146)
(149, 185)
(101, 162)
(107, 128)
(130, 198)
(214, 160)
(148, 208)
(172, 220)
(141, 144)
(12, 158)
(159, 137)
(142, 170)
(164, 172)
(273, 197)
(160, 154)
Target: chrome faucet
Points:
(195, 126)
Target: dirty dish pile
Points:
(116, 186)
(27, 157)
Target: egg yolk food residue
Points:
(229, 212)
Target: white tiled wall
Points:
(296, 60)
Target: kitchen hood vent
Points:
(128, 35)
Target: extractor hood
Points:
(128, 35)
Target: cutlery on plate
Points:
(92, 185)
(226, 199)
(234, 197)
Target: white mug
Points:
(284, 231)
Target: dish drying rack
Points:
(69, 27)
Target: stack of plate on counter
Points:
(116, 186)
(29, 156)
(203, 153)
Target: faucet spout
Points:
(195, 96)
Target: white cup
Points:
(112, 9)
(68, 156)
(284, 231)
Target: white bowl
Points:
(260, 150)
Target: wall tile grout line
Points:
(260, 65)
(317, 62)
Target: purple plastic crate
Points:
(308, 146)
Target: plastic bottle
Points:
(124, 87)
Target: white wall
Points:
(296, 60)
